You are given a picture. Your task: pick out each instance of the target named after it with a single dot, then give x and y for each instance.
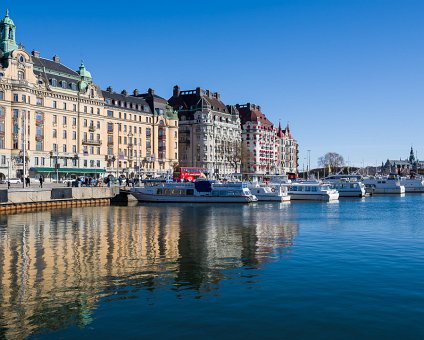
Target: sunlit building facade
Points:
(57, 120)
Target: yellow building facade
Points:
(57, 121)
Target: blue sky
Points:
(346, 74)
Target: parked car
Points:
(14, 181)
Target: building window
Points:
(54, 119)
(39, 101)
(110, 113)
(64, 120)
(74, 135)
(65, 106)
(53, 82)
(74, 121)
(54, 133)
(74, 148)
(21, 75)
(75, 107)
(43, 161)
(65, 134)
(64, 148)
(54, 105)
(63, 84)
(15, 97)
(1, 95)
(85, 122)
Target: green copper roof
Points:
(83, 71)
(7, 20)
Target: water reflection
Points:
(55, 266)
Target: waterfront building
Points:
(404, 166)
(288, 151)
(209, 131)
(54, 119)
(259, 148)
(142, 133)
(266, 150)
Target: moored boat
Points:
(312, 190)
(348, 186)
(412, 184)
(201, 191)
(275, 193)
(384, 185)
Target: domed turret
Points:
(8, 31)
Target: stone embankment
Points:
(33, 199)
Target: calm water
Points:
(350, 269)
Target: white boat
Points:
(275, 193)
(201, 191)
(347, 185)
(312, 190)
(384, 185)
(412, 184)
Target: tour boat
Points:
(200, 191)
(348, 186)
(412, 184)
(384, 185)
(275, 193)
(312, 190)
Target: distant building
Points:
(404, 166)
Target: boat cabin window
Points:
(314, 188)
(190, 192)
(307, 188)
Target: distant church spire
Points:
(411, 156)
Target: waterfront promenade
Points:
(53, 195)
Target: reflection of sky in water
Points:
(55, 266)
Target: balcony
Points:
(91, 128)
(130, 145)
(91, 142)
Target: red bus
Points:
(189, 173)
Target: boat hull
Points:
(142, 197)
(314, 197)
(272, 198)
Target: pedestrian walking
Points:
(127, 182)
(41, 179)
(27, 181)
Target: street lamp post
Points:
(8, 173)
(309, 161)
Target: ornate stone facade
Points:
(53, 118)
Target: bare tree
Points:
(235, 156)
(331, 160)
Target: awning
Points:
(69, 170)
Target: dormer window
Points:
(53, 82)
(63, 84)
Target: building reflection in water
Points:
(56, 265)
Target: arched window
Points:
(63, 84)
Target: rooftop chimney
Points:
(135, 93)
(35, 54)
(176, 91)
(56, 58)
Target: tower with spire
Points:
(411, 156)
(8, 35)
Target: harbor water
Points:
(347, 269)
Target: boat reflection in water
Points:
(57, 266)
